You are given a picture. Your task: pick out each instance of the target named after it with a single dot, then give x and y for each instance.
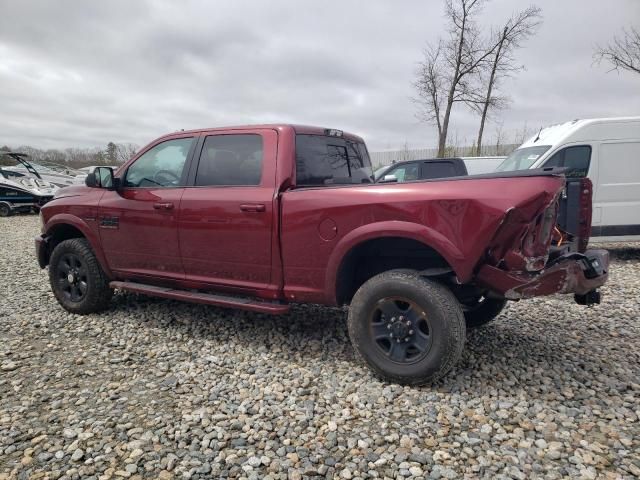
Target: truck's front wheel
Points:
(76, 278)
(408, 329)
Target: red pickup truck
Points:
(260, 217)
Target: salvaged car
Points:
(262, 217)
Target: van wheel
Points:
(5, 210)
(483, 311)
(406, 328)
(76, 278)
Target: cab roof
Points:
(299, 129)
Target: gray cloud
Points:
(78, 73)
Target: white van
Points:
(607, 150)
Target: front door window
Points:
(160, 167)
(406, 173)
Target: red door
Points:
(139, 231)
(226, 215)
(139, 222)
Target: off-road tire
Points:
(97, 295)
(5, 210)
(486, 311)
(446, 328)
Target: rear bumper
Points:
(575, 273)
(42, 250)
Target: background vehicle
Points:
(259, 217)
(423, 170)
(606, 150)
(57, 175)
(20, 192)
(89, 169)
(476, 165)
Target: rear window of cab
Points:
(330, 160)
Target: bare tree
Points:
(124, 151)
(430, 86)
(524, 133)
(623, 53)
(499, 138)
(501, 63)
(443, 77)
(405, 154)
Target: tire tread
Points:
(446, 302)
(99, 294)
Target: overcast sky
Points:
(81, 74)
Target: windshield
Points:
(378, 173)
(522, 158)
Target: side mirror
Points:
(90, 180)
(388, 179)
(102, 177)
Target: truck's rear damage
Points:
(547, 255)
(577, 273)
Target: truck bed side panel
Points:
(457, 218)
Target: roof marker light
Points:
(332, 132)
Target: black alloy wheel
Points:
(72, 277)
(77, 279)
(408, 329)
(401, 330)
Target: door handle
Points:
(163, 206)
(252, 207)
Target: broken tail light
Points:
(523, 245)
(533, 251)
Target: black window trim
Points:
(195, 159)
(185, 169)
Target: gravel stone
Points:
(8, 366)
(153, 388)
(77, 455)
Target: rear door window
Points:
(234, 159)
(326, 160)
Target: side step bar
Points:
(227, 301)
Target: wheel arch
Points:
(342, 277)
(64, 227)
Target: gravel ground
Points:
(161, 389)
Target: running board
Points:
(226, 301)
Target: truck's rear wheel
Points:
(408, 329)
(483, 311)
(76, 278)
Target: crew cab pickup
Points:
(260, 217)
